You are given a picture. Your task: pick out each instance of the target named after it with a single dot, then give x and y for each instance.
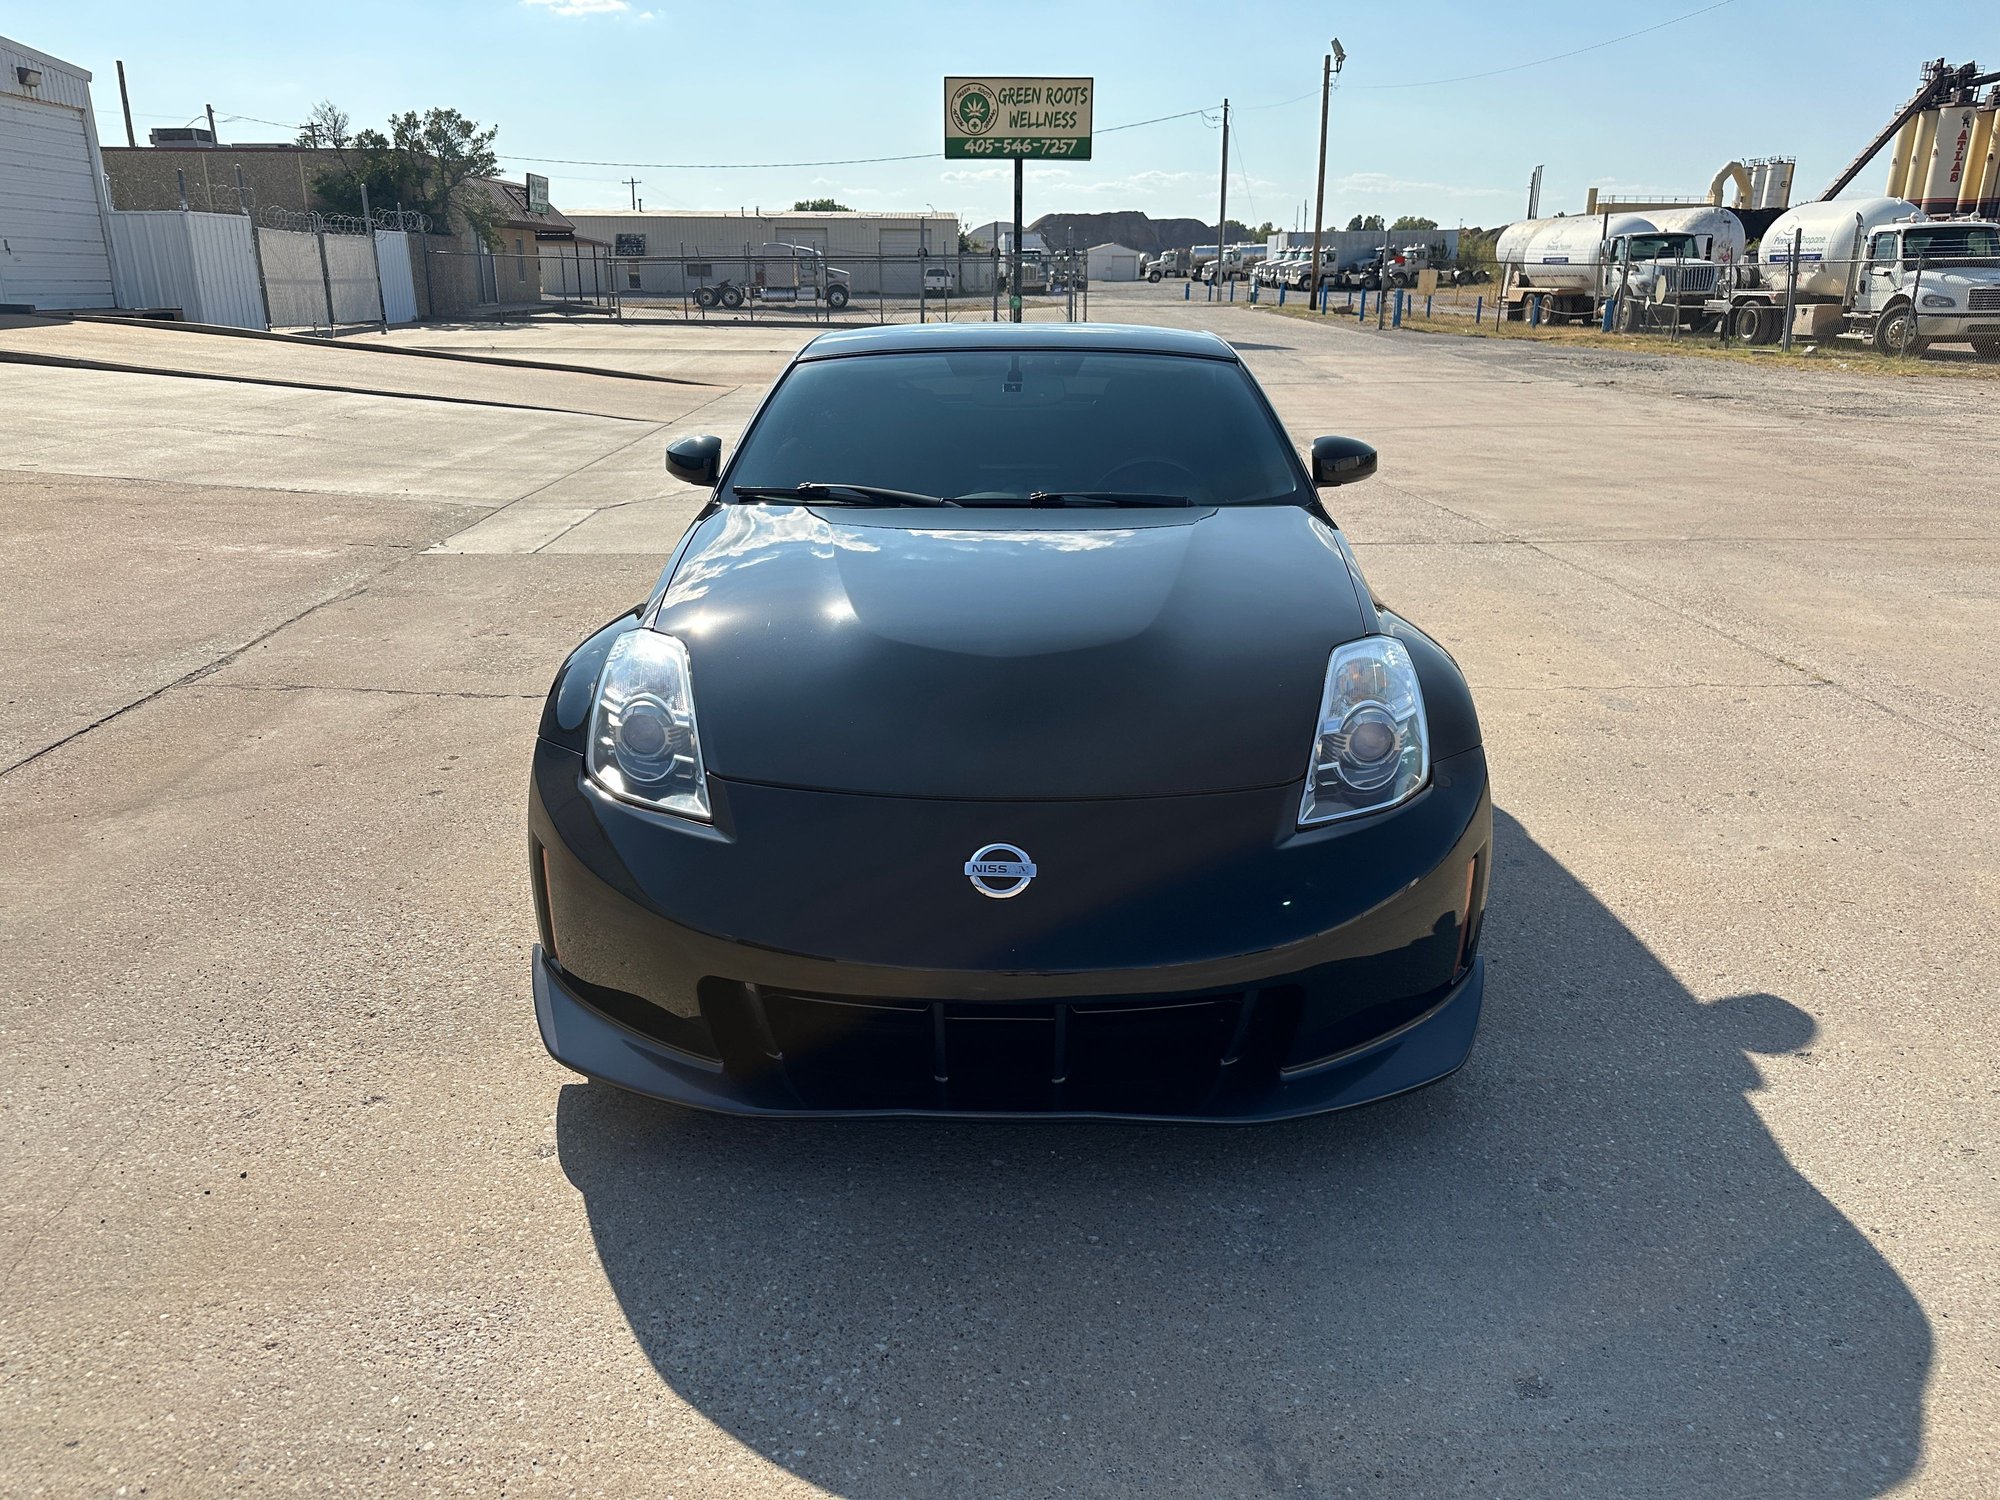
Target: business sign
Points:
(1033, 117)
(629, 244)
(538, 194)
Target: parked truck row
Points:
(1878, 268)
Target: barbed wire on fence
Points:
(306, 222)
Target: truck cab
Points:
(796, 273)
(1660, 266)
(1932, 282)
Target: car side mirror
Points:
(1342, 460)
(697, 460)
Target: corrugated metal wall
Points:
(203, 264)
(51, 206)
(62, 83)
(399, 282)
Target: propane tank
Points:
(1835, 234)
(1720, 230)
(1562, 254)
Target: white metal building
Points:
(1113, 263)
(666, 252)
(53, 244)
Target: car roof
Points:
(925, 338)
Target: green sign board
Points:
(1034, 117)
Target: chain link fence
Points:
(772, 284)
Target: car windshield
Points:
(1665, 247)
(1964, 244)
(992, 424)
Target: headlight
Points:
(1934, 299)
(643, 743)
(1373, 749)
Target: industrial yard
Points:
(328, 442)
(298, 1201)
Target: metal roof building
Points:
(665, 251)
(54, 244)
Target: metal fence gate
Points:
(331, 271)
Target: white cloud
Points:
(584, 7)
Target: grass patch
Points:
(1845, 356)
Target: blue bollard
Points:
(1478, 311)
(1232, 291)
(1427, 309)
(1363, 314)
(1610, 311)
(1396, 312)
(1535, 311)
(1281, 294)
(1187, 290)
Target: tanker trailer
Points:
(1832, 238)
(1571, 265)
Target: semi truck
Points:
(780, 272)
(1877, 267)
(1574, 265)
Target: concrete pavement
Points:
(294, 1202)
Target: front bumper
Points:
(1194, 958)
(1432, 1045)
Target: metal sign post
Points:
(1045, 118)
(1014, 255)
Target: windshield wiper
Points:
(814, 492)
(1050, 499)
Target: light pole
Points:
(1329, 66)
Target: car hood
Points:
(998, 654)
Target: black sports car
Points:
(1012, 733)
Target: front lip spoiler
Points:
(1430, 1048)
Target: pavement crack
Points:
(204, 670)
(348, 687)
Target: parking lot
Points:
(294, 1200)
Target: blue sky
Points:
(659, 81)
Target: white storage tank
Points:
(1833, 238)
(1562, 252)
(1719, 231)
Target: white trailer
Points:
(1876, 267)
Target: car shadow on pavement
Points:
(1580, 1267)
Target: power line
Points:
(764, 166)
(1431, 83)
(1558, 57)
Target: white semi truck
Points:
(1573, 265)
(1877, 267)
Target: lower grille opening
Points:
(1121, 1056)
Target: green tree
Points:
(422, 162)
(1412, 221)
(820, 206)
(1373, 221)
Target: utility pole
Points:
(633, 184)
(1222, 211)
(1014, 256)
(126, 100)
(211, 122)
(1329, 65)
